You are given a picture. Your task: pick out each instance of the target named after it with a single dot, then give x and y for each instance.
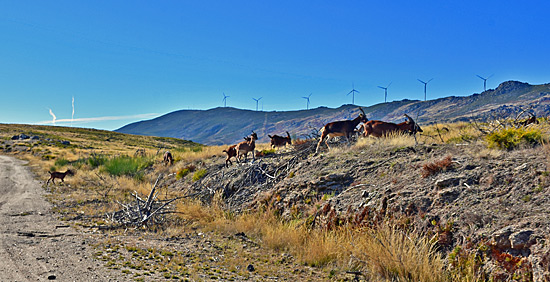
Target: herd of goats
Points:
(345, 128)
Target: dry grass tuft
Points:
(436, 166)
(393, 140)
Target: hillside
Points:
(228, 125)
(486, 208)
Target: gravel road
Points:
(34, 245)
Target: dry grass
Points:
(385, 252)
(393, 140)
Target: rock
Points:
(448, 195)
(65, 142)
(522, 239)
(446, 182)
(250, 268)
(52, 277)
(23, 136)
(501, 238)
(15, 137)
(35, 137)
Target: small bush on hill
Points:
(437, 166)
(512, 138)
(126, 165)
(61, 162)
(199, 174)
(184, 171)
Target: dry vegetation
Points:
(219, 244)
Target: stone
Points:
(522, 239)
(446, 182)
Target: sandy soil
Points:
(34, 245)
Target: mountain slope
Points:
(228, 125)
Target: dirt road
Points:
(34, 245)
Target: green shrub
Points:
(199, 174)
(182, 173)
(512, 138)
(61, 162)
(96, 160)
(126, 165)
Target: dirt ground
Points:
(34, 245)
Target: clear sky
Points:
(125, 61)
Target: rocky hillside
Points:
(468, 195)
(228, 125)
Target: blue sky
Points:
(125, 61)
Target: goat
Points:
(340, 128)
(379, 128)
(279, 141)
(168, 159)
(231, 152)
(60, 175)
(247, 146)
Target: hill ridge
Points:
(227, 125)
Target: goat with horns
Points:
(340, 128)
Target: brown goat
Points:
(231, 152)
(247, 146)
(60, 175)
(340, 128)
(379, 128)
(168, 159)
(279, 141)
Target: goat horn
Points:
(362, 111)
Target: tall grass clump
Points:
(126, 165)
(512, 138)
(397, 255)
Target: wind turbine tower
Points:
(307, 98)
(385, 92)
(352, 92)
(224, 100)
(484, 81)
(257, 100)
(425, 86)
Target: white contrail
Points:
(72, 116)
(51, 113)
(94, 119)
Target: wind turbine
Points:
(307, 98)
(385, 91)
(257, 100)
(224, 100)
(425, 85)
(484, 81)
(352, 92)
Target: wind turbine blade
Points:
(490, 76)
(480, 76)
(421, 81)
(389, 84)
(381, 87)
(430, 80)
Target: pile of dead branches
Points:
(149, 211)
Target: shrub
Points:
(437, 166)
(184, 171)
(126, 165)
(96, 160)
(61, 162)
(512, 138)
(199, 174)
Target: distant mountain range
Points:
(226, 125)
